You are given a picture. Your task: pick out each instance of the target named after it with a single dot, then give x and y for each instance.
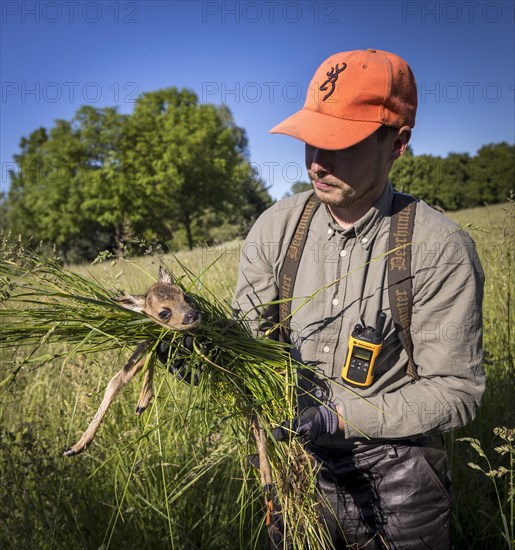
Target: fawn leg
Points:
(274, 518)
(146, 391)
(119, 380)
(264, 464)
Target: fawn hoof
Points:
(75, 450)
(139, 410)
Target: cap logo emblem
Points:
(332, 77)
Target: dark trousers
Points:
(390, 495)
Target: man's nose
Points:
(320, 163)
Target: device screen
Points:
(362, 353)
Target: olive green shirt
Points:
(446, 316)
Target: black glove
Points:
(309, 424)
(180, 363)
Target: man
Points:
(383, 472)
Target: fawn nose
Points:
(191, 317)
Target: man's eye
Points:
(165, 314)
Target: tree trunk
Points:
(187, 224)
(118, 235)
(64, 254)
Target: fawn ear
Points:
(163, 276)
(134, 302)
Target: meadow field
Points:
(171, 478)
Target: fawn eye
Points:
(165, 314)
(187, 298)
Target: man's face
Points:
(349, 176)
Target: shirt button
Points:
(364, 240)
(335, 302)
(327, 349)
(343, 253)
(330, 231)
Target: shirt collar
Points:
(366, 228)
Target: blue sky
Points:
(258, 58)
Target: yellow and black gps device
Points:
(364, 346)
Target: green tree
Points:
(59, 213)
(189, 158)
(453, 182)
(94, 181)
(110, 199)
(493, 173)
(458, 180)
(48, 191)
(26, 185)
(418, 175)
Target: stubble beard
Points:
(342, 195)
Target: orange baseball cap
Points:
(351, 95)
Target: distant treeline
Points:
(177, 172)
(458, 180)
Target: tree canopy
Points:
(458, 180)
(173, 170)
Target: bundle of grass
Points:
(245, 382)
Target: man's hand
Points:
(179, 364)
(310, 424)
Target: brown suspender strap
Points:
(400, 290)
(290, 266)
(399, 270)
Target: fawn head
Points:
(165, 303)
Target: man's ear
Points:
(163, 276)
(401, 142)
(134, 302)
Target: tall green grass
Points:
(170, 479)
(483, 507)
(173, 478)
(203, 431)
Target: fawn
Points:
(167, 305)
